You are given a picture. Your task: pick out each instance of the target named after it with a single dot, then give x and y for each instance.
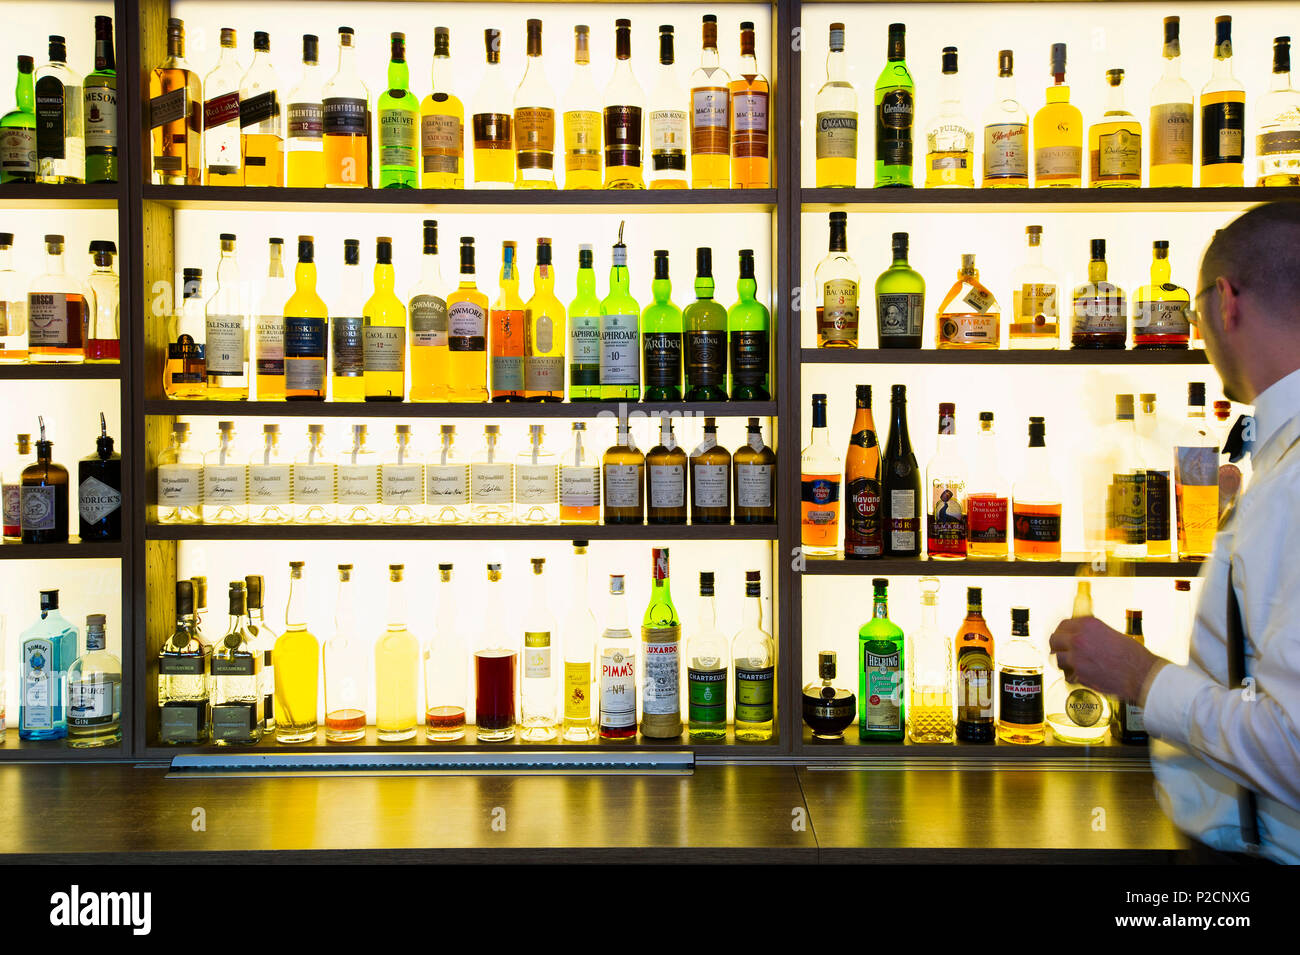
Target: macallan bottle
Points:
(750, 168)
(710, 115)
(44, 496)
(863, 531)
(974, 647)
(753, 469)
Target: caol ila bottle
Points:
(901, 483)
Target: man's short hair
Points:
(1259, 252)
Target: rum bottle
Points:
(1035, 315)
(900, 300)
(969, 316)
(819, 492)
(1100, 315)
(986, 497)
(974, 646)
(1160, 308)
(837, 278)
(863, 533)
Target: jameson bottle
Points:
(863, 534)
(661, 631)
(894, 116)
(901, 483)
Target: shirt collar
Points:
(1274, 407)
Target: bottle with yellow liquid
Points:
(710, 115)
(494, 146)
(261, 124)
(345, 121)
(582, 119)
(297, 667)
(623, 127)
(442, 124)
(1076, 713)
(428, 315)
(304, 145)
(1058, 132)
(384, 337)
(534, 120)
(269, 327)
(545, 333)
(306, 331)
(1223, 116)
(397, 668)
(467, 315)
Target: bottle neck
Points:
(708, 614)
(747, 288)
(399, 76)
(880, 607)
(304, 276)
(343, 612)
(275, 267)
(383, 277)
(1004, 89)
(616, 612)
(396, 605)
(295, 613)
(24, 93)
(442, 72)
(1033, 253)
(1115, 99)
(430, 269)
(1097, 271)
(1160, 271)
(543, 281)
(949, 93)
(54, 262)
(929, 616)
(751, 613)
(837, 67)
(704, 286)
(662, 290)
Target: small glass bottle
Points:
(929, 685)
(183, 688)
(1076, 713)
(707, 653)
(401, 481)
(225, 480)
(347, 670)
(537, 674)
(44, 649)
(297, 667)
(537, 481)
(358, 481)
(1035, 317)
(445, 667)
(59, 308)
(579, 482)
(491, 482)
(580, 635)
(314, 477)
(44, 496)
(496, 666)
(226, 331)
(446, 482)
(236, 675)
(616, 657)
(270, 481)
(397, 668)
(753, 657)
(1020, 685)
(12, 489)
(827, 709)
(103, 335)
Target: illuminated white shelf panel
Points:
(995, 356)
(1071, 565)
(466, 532)
(505, 409)
(1166, 199)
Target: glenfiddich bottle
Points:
(99, 490)
(894, 109)
(863, 516)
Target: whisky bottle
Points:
(467, 317)
(616, 656)
(270, 480)
(1036, 501)
(929, 690)
(950, 137)
(45, 649)
(749, 326)
(264, 645)
(226, 331)
(901, 486)
(1006, 132)
(974, 647)
(710, 467)
(180, 480)
(496, 665)
(753, 468)
(1223, 116)
(1100, 314)
(580, 634)
(442, 125)
(661, 632)
(986, 497)
(1160, 308)
(221, 133)
(1156, 459)
(491, 482)
(13, 300)
(970, 316)
(668, 121)
(60, 130)
(401, 481)
(304, 144)
(837, 279)
(445, 667)
(704, 337)
(534, 119)
(348, 330)
(753, 657)
(623, 476)
(12, 490)
(900, 300)
(428, 314)
(945, 520)
(1130, 721)
(1035, 314)
(44, 496)
(509, 324)
(225, 480)
(297, 667)
(397, 668)
(544, 333)
(175, 116)
(537, 481)
(399, 123)
(494, 152)
(1276, 141)
(18, 130)
(95, 692)
(314, 476)
(837, 120)
(236, 673)
(584, 331)
(623, 103)
(384, 339)
(99, 490)
(446, 482)
(268, 326)
(579, 481)
(347, 670)
(103, 334)
(99, 109)
(882, 666)
(183, 677)
(358, 481)
(1115, 144)
(661, 337)
(666, 466)
(537, 719)
(1196, 480)
(1020, 685)
(345, 121)
(827, 709)
(706, 653)
(261, 120)
(894, 115)
(59, 307)
(620, 368)
(819, 492)
(306, 331)
(1076, 713)
(749, 119)
(1172, 117)
(711, 115)
(1058, 132)
(582, 119)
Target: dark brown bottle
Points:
(45, 496)
(828, 709)
(623, 478)
(710, 479)
(901, 483)
(753, 469)
(1130, 725)
(665, 478)
(99, 490)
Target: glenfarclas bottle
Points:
(863, 531)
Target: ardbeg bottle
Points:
(661, 337)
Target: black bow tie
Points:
(1235, 447)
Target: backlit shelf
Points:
(1070, 565)
(465, 532)
(530, 410)
(1005, 356)
(1162, 199)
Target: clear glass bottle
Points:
(446, 482)
(710, 115)
(491, 482)
(946, 476)
(221, 149)
(297, 667)
(986, 497)
(304, 123)
(225, 479)
(836, 107)
(185, 374)
(970, 316)
(180, 480)
(537, 481)
(45, 651)
(1034, 321)
(494, 147)
(537, 720)
(183, 688)
(1115, 143)
(1036, 501)
(270, 481)
(226, 331)
(950, 137)
(1223, 116)
(1277, 140)
(1020, 685)
(236, 678)
(616, 658)
(1172, 118)
(707, 653)
(544, 337)
(264, 644)
(399, 123)
(1076, 713)
(1006, 132)
(261, 119)
(13, 305)
(60, 131)
(401, 481)
(1099, 309)
(929, 684)
(445, 667)
(582, 118)
(579, 481)
(442, 123)
(837, 280)
(753, 657)
(534, 119)
(580, 634)
(1160, 307)
(358, 481)
(496, 668)
(314, 476)
(59, 308)
(345, 121)
(103, 334)
(623, 127)
(1157, 458)
(668, 121)
(1196, 480)
(397, 668)
(347, 669)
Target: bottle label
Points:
(1157, 504)
(1171, 134)
(466, 326)
(441, 143)
(13, 505)
(661, 694)
(1020, 696)
(622, 485)
(535, 137)
(270, 345)
(536, 484)
(706, 358)
(617, 689)
(820, 497)
(384, 348)
(446, 484)
(709, 485)
(1034, 307)
(754, 693)
(900, 315)
(1222, 132)
(220, 110)
(428, 321)
(709, 131)
(492, 131)
(349, 347)
(259, 109)
(180, 485)
(40, 512)
(397, 133)
(837, 319)
(986, 516)
(344, 116)
(1279, 143)
(305, 375)
(306, 120)
(1102, 312)
(946, 524)
(50, 104)
(269, 483)
(749, 357)
(225, 484)
(883, 680)
(1135, 718)
(622, 136)
(18, 151)
(618, 350)
(577, 692)
(837, 134)
(1118, 156)
(668, 139)
(974, 685)
(313, 484)
(1006, 151)
(663, 359)
(749, 125)
(1128, 508)
(579, 486)
(582, 141)
(894, 128)
(39, 694)
(537, 654)
(968, 328)
(584, 350)
(980, 299)
(401, 484)
(52, 317)
(225, 346)
(862, 532)
(903, 520)
(491, 483)
(304, 338)
(1156, 320)
(1058, 162)
(175, 664)
(242, 663)
(706, 693)
(754, 485)
(99, 107)
(1036, 528)
(544, 373)
(90, 704)
(358, 483)
(168, 108)
(667, 485)
(507, 372)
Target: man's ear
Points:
(1229, 304)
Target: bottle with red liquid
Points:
(103, 338)
(496, 660)
(616, 656)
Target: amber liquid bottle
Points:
(863, 535)
(710, 479)
(665, 478)
(975, 677)
(44, 497)
(623, 477)
(753, 469)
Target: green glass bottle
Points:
(749, 328)
(704, 330)
(900, 300)
(399, 124)
(661, 338)
(620, 337)
(881, 713)
(99, 110)
(661, 632)
(584, 332)
(18, 130)
(895, 109)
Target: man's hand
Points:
(1091, 653)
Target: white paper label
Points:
(225, 345)
(269, 483)
(491, 483)
(536, 484)
(580, 486)
(622, 485)
(904, 503)
(89, 701)
(710, 485)
(447, 484)
(180, 485)
(402, 484)
(753, 485)
(660, 694)
(667, 485)
(358, 484)
(225, 484)
(620, 354)
(537, 655)
(96, 500)
(617, 688)
(313, 483)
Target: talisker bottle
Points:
(863, 535)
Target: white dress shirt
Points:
(1209, 736)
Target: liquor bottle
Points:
(584, 331)
(819, 492)
(261, 120)
(706, 654)
(749, 119)
(467, 317)
(704, 337)
(668, 121)
(175, 116)
(442, 126)
(509, 330)
(345, 121)
(894, 115)
(863, 533)
(582, 119)
(347, 668)
(901, 486)
(579, 482)
(534, 119)
(103, 334)
(537, 481)
(225, 480)
(970, 316)
(304, 143)
(494, 148)
(270, 479)
(99, 490)
(661, 337)
(99, 108)
(753, 469)
(580, 635)
(183, 664)
(221, 133)
(200, 603)
(445, 668)
(45, 649)
(749, 326)
(544, 333)
(1100, 315)
(12, 490)
(945, 535)
(1006, 132)
(13, 301)
(661, 631)
(620, 369)
(348, 330)
(710, 115)
(1196, 480)
(297, 666)
(384, 338)
(665, 478)
(428, 312)
(986, 497)
(753, 657)
(1058, 132)
(226, 331)
(623, 476)
(306, 331)
(491, 482)
(537, 719)
(495, 669)
(358, 481)
(180, 480)
(1172, 118)
(623, 101)
(1034, 319)
(1156, 459)
(950, 138)
(1223, 116)
(1277, 142)
(1036, 502)
(929, 689)
(44, 496)
(1020, 685)
(882, 709)
(314, 477)
(446, 482)
(268, 326)
(1130, 722)
(18, 130)
(827, 709)
(397, 669)
(710, 468)
(399, 123)
(60, 130)
(1076, 713)
(94, 692)
(836, 106)
(837, 278)
(616, 656)
(59, 307)
(236, 678)
(1115, 144)
(900, 300)
(1160, 308)
(974, 648)
(264, 644)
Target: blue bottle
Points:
(48, 646)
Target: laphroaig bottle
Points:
(901, 490)
(661, 634)
(929, 691)
(44, 649)
(706, 671)
(837, 120)
(882, 709)
(863, 530)
(584, 331)
(753, 656)
(580, 633)
(297, 667)
(95, 692)
(900, 300)
(537, 720)
(616, 657)
(974, 646)
(894, 115)
(620, 369)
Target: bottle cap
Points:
(706, 583)
(826, 664)
(1123, 407)
(1196, 393)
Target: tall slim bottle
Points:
(929, 688)
(749, 327)
(1006, 132)
(494, 147)
(397, 668)
(442, 123)
(616, 657)
(749, 89)
(582, 119)
(264, 644)
(399, 124)
(753, 656)
(660, 646)
(537, 720)
(346, 669)
(1223, 116)
(623, 126)
(544, 333)
(667, 121)
(661, 337)
(819, 492)
(508, 331)
(306, 331)
(384, 342)
(534, 119)
(430, 357)
(445, 667)
(584, 331)
(1196, 480)
(1129, 725)
(863, 530)
(347, 330)
(467, 317)
(1036, 501)
(297, 667)
(268, 326)
(1173, 118)
(901, 491)
(706, 655)
(975, 680)
(496, 668)
(261, 119)
(304, 123)
(60, 132)
(18, 129)
(345, 120)
(99, 109)
(46, 649)
(837, 120)
(882, 668)
(175, 116)
(895, 109)
(620, 337)
(580, 634)
(945, 520)
(986, 497)
(226, 330)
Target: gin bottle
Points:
(537, 721)
(537, 481)
(492, 482)
(44, 650)
(95, 692)
(183, 687)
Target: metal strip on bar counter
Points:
(539, 763)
